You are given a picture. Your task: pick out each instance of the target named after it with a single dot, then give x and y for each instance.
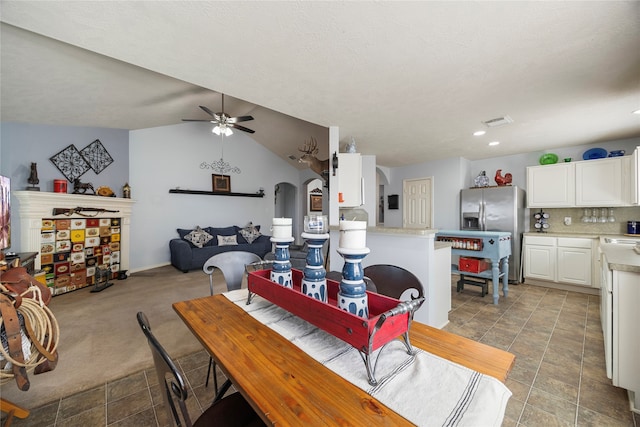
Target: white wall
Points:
(167, 157)
(447, 180)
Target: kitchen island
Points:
(417, 251)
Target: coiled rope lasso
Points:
(41, 328)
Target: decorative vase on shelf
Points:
(481, 180)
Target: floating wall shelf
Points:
(211, 193)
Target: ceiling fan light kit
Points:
(220, 130)
(223, 122)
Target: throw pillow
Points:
(224, 231)
(227, 240)
(250, 232)
(198, 237)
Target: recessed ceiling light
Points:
(492, 143)
(636, 112)
(479, 133)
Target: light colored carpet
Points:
(100, 339)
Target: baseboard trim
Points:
(563, 286)
(149, 267)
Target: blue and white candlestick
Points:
(314, 282)
(281, 270)
(352, 296)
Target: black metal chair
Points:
(232, 264)
(393, 281)
(230, 411)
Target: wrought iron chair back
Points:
(233, 266)
(393, 281)
(232, 410)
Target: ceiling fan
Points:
(223, 122)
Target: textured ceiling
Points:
(410, 81)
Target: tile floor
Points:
(558, 378)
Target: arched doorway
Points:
(285, 201)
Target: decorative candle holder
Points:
(314, 282)
(281, 228)
(353, 234)
(281, 270)
(315, 224)
(352, 296)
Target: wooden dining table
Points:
(287, 387)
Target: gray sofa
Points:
(186, 256)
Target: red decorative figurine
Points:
(503, 180)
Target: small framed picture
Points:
(393, 201)
(315, 203)
(221, 183)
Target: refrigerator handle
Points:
(482, 209)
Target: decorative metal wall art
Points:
(71, 163)
(220, 166)
(96, 156)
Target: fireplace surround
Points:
(34, 206)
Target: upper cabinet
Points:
(603, 182)
(634, 188)
(595, 183)
(350, 193)
(551, 186)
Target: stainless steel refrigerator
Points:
(497, 209)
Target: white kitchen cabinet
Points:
(574, 261)
(540, 257)
(635, 177)
(559, 259)
(551, 186)
(602, 182)
(350, 185)
(626, 339)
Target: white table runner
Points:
(425, 389)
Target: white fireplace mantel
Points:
(34, 206)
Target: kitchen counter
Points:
(396, 230)
(621, 257)
(555, 234)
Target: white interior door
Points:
(417, 203)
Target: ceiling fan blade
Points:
(211, 113)
(240, 119)
(242, 128)
(198, 120)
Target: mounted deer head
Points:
(310, 149)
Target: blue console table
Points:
(492, 245)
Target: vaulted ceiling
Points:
(409, 81)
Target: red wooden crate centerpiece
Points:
(350, 328)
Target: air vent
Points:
(500, 121)
(292, 157)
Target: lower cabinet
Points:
(559, 259)
(626, 340)
(540, 258)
